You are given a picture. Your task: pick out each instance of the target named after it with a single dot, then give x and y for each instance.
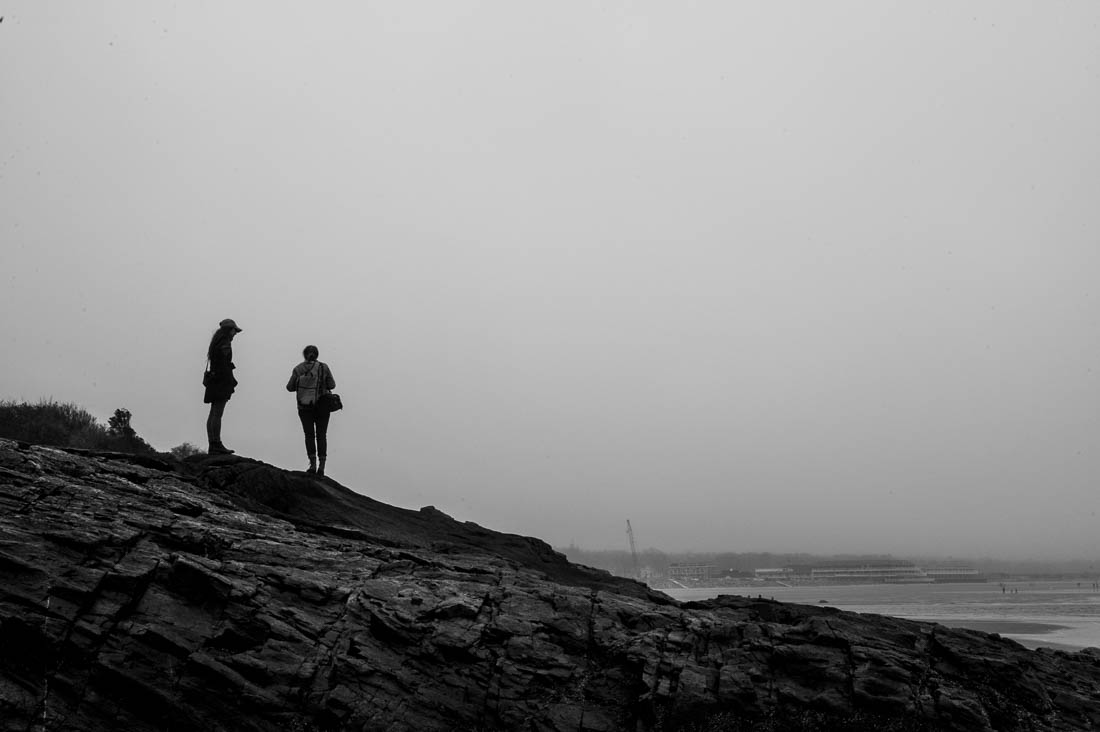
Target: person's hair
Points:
(221, 335)
(308, 350)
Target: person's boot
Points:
(321, 468)
(217, 448)
(312, 469)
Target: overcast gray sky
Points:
(756, 276)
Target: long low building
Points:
(955, 573)
(869, 571)
(889, 571)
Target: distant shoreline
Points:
(1017, 630)
(985, 609)
(1001, 627)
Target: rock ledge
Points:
(226, 594)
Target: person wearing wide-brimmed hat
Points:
(219, 382)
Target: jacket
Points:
(222, 384)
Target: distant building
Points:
(869, 571)
(778, 573)
(852, 572)
(891, 571)
(678, 571)
(954, 573)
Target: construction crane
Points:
(633, 549)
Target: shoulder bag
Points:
(329, 401)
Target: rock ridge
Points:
(221, 593)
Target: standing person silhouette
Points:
(220, 383)
(311, 379)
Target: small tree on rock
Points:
(186, 450)
(120, 423)
(124, 437)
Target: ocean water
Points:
(1062, 614)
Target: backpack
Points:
(310, 384)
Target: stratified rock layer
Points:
(225, 594)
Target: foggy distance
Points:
(803, 278)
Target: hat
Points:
(230, 323)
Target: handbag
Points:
(329, 401)
(208, 375)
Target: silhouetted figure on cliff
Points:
(219, 382)
(312, 379)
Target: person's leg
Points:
(213, 424)
(305, 416)
(322, 441)
(214, 428)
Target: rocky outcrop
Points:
(225, 594)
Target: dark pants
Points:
(214, 422)
(315, 424)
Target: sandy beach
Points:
(1025, 632)
(1060, 614)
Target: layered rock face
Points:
(225, 594)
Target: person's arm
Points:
(292, 385)
(330, 383)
